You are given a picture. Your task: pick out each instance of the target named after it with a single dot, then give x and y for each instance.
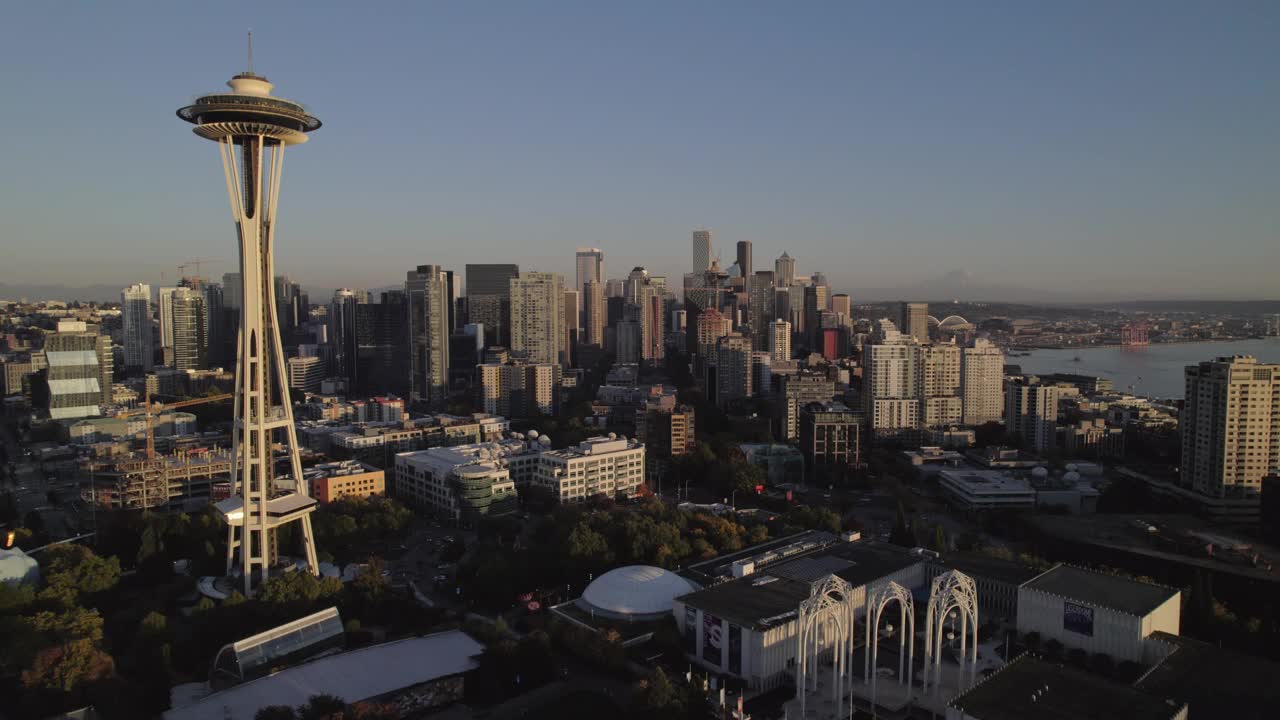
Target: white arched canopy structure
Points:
(953, 596)
(825, 626)
(906, 634)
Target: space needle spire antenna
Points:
(250, 51)
(252, 128)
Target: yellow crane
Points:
(151, 410)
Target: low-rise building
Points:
(345, 478)
(1099, 613)
(462, 483)
(747, 627)
(1029, 687)
(986, 489)
(596, 466)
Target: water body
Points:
(1152, 370)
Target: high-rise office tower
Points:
(165, 304)
(189, 342)
(135, 316)
(489, 299)
(636, 279)
(214, 323)
(733, 369)
(1230, 426)
(232, 291)
(383, 346)
(289, 309)
(593, 313)
(590, 266)
(701, 250)
(913, 320)
(891, 390)
(572, 309)
(816, 299)
(780, 341)
(982, 382)
(342, 332)
(761, 306)
(428, 302)
(77, 381)
(1031, 412)
(842, 305)
(252, 130)
(537, 317)
(939, 367)
(785, 267)
(628, 336)
(652, 313)
(744, 258)
(711, 326)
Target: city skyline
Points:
(1014, 147)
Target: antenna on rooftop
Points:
(251, 50)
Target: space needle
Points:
(252, 129)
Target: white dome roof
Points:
(636, 590)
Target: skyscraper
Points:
(189, 341)
(816, 299)
(891, 390)
(232, 291)
(982, 382)
(214, 323)
(383, 348)
(135, 312)
(939, 367)
(489, 299)
(652, 313)
(913, 320)
(761, 307)
(165, 304)
(785, 268)
(1031, 412)
(427, 294)
(572, 310)
(252, 130)
(780, 341)
(733, 369)
(842, 305)
(744, 258)
(593, 313)
(342, 332)
(1230, 426)
(590, 266)
(77, 382)
(711, 326)
(701, 250)
(537, 317)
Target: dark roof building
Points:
(1214, 682)
(1030, 687)
(1102, 589)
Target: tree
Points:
(67, 667)
(74, 572)
(656, 697)
(275, 712)
(1032, 641)
(1103, 664)
(322, 707)
(901, 533)
(939, 538)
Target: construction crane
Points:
(182, 268)
(151, 410)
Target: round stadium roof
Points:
(636, 590)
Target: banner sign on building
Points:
(712, 640)
(1077, 618)
(735, 649)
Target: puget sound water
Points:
(1150, 370)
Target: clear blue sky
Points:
(1121, 149)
